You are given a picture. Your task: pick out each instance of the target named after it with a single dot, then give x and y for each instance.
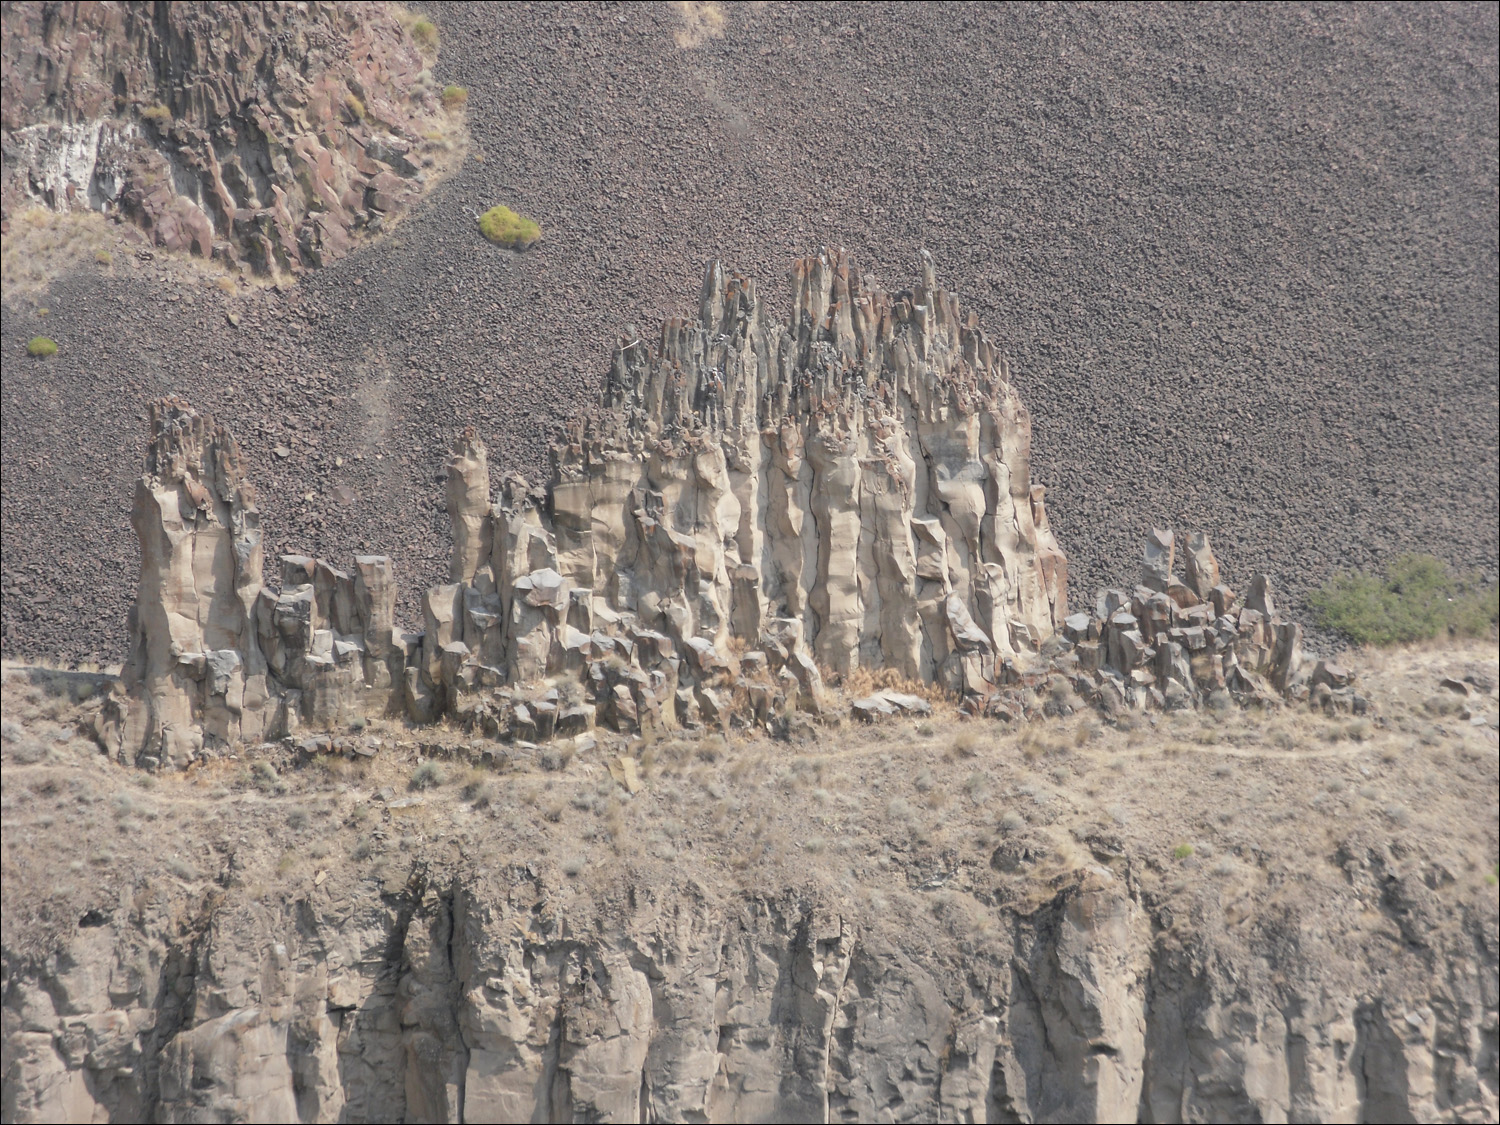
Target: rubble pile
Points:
(1173, 644)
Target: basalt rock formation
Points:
(756, 510)
(755, 501)
(270, 134)
(754, 505)
(452, 997)
(216, 656)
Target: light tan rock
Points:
(1200, 568)
(218, 659)
(1156, 564)
(468, 496)
(847, 530)
(196, 519)
(493, 995)
(861, 470)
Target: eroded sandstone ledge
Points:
(756, 508)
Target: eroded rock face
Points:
(755, 505)
(1166, 647)
(217, 658)
(864, 468)
(269, 134)
(194, 669)
(476, 998)
(744, 512)
(756, 500)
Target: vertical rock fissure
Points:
(457, 989)
(175, 1003)
(840, 996)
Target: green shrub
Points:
(157, 113)
(1182, 851)
(454, 96)
(427, 776)
(503, 226)
(1418, 598)
(41, 347)
(424, 34)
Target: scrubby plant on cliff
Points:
(428, 775)
(504, 227)
(424, 34)
(454, 97)
(1417, 598)
(41, 347)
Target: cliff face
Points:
(468, 997)
(1259, 914)
(865, 468)
(272, 135)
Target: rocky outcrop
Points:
(754, 507)
(269, 134)
(217, 658)
(194, 666)
(469, 998)
(1175, 644)
(756, 503)
(744, 513)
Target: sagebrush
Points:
(1417, 598)
(503, 226)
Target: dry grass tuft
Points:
(700, 23)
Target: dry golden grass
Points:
(700, 23)
(877, 808)
(42, 244)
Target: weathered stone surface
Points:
(1200, 568)
(217, 658)
(755, 504)
(271, 134)
(753, 485)
(779, 465)
(468, 495)
(418, 997)
(1157, 562)
(194, 667)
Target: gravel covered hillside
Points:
(1244, 262)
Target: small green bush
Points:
(1182, 851)
(503, 226)
(1417, 599)
(41, 347)
(454, 96)
(428, 776)
(424, 34)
